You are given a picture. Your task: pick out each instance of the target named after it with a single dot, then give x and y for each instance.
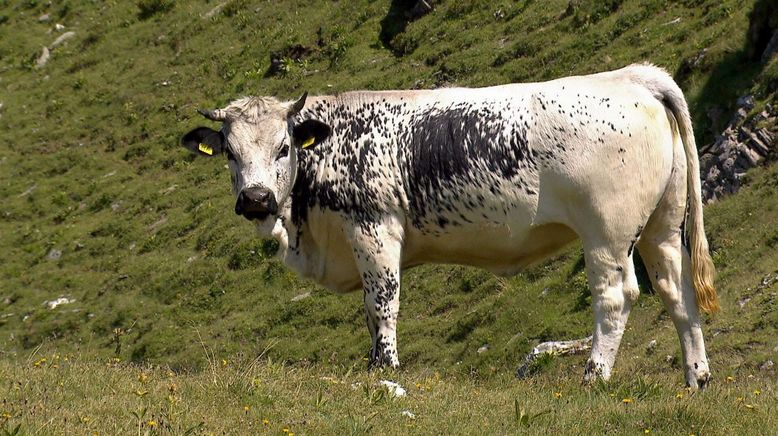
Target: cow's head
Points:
(260, 139)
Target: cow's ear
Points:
(204, 141)
(310, 133)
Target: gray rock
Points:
(44, 18)
(483, 349)
(215, 10)
(746, 102)
(43, 58)
(54, 254)
(61, 39)
(767, 365)
(302, 296)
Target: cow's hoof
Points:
(381, 362)
(595, 371)
(700, 381)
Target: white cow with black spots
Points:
(358, 186)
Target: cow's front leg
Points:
(614, 289)
(377, 250)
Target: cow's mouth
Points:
(259, 216)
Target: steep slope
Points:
(102, 207)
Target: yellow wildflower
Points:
(757, 392)
(246, 409)
(679, 395)
(224, 362)
(626, 400)
(151, 423)
(730, 379)
(266, 421)
(285, 430)
(557, 395)
(143, 377)
(140, 392)
(740, 399)
(647, 431)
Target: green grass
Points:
(52, 396)
(161, 269)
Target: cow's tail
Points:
(667, 91)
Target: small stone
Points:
(651, 345)
(58, 302)
(713, 175)
(758, 146)
(62, 38)
(394, 388)
(483, 349)
(54, 254)
(44, 18)
(215, 10)
(408, 413)
(59, 27)
(746, 102)
(43, 58)
(767, 365)
(301, 296)
(743, 301)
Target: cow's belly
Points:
(500, 248)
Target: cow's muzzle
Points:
(256, 203)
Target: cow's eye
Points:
(230, 156)
(284, 152)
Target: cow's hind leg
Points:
(377, 250)
(668, 267)
(614, 287)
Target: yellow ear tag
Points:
(205, 149)
(309, 142)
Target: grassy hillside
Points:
(101, 206)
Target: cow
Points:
(358, 186)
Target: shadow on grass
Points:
(401, 12)
(732, 73)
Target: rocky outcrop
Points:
(743, 144)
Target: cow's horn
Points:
(298, 105)
(214, 115)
